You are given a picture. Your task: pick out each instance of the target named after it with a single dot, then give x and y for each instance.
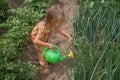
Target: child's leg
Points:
(43, 62)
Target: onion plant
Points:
(97, 41)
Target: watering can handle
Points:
(56, 47)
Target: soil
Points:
(57, 70)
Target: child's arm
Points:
(39, 42)
(62, 32)
(34, 32)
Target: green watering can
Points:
(54, 55)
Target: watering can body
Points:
(54, 55)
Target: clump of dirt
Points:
(3, 30)
(15, 3)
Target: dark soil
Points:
(3, 30)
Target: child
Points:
(42, 31)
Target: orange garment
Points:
(39, 49)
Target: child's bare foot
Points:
(45, 70)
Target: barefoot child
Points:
(43, 30)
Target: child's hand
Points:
(50, 46)
(70, 40)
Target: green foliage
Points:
(97, 31)
(18, 71)
(24, 16)
(3, 10)
(12, 43)
(39, 6)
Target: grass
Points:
(97, 40)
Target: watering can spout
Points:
(63, 58)
(70, 55)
